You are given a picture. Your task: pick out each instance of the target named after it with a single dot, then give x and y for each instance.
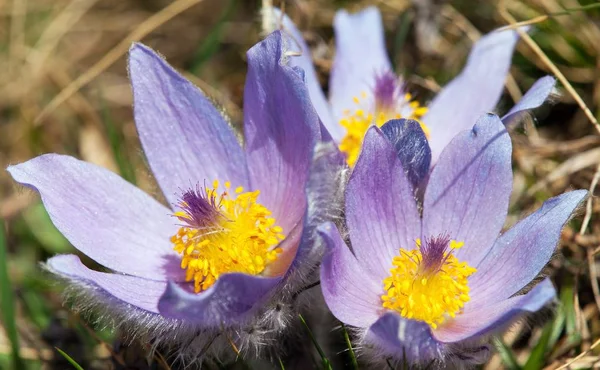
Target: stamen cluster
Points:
(428, 283)
(224, 234)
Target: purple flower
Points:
(230, 239)
(432, 284)
(363, 90)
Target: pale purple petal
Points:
(533, 98)
(281, 130)
(381, 211)
(495, 317)
(360, 56)
(412, 148)
(104, 216)
(519, 254)
(185, 138)
(468, 191)
(231, 300)
(131, 290)
(352, 295)
(475, 91)
(295, 44)
(397, 337)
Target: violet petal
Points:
(412, 148)
(281, 130)
(400, 337)
(104, 216)
(302, 58)
(467, 194)
(185, 138)
(360, 56)
(231, 300)
(519, 255)
(381, 211)
(475, 91)
(139, 292)
(352, 295)
(533, 98)
(495, 317)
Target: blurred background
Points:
(64, 89)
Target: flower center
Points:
(224, 233)
(389, 101)
(428, 283)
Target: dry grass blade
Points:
(17, 28)
(548, 63)
(59, 26)
(113, 55)
(588, 206)
(580, 356)
(593, 277)
(570, 166)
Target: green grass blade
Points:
(68, 358)
(211, 43)
(324, 360)
(350, 349)
(7, 302)
(506, 355)
(403, 28)
(567, 294)
(557, 327)
(537, 358)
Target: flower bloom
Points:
(230, 238)
(364, 91)
(432, 284)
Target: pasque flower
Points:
(430, 283)
(231, 234)
(364, 91)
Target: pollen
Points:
(357, 121)
(428, 283)
(224, 233)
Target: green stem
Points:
(324, 359)
(350, 349)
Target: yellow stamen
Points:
(427, 295)
(243, 238)
(357, 123)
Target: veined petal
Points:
(281, 130)
(468, 191)
(230, 300)
(519, 254)
(533, 98)
(352, 295)
(185, 138)
(104, 216)
(360, 56)
(130, 290)
(412, 148)
(381, 211)
(301, 58)
(475, 91)
(474, 323)
(399, 337)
